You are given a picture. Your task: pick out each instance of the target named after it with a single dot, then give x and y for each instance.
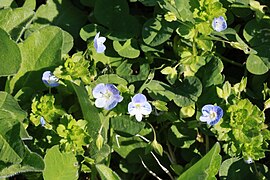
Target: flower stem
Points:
(229, 61)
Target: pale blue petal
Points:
(110, 105)
(99, 90)
(132, 110)
(101, 48)
(42, 121)
(138, 116)
(49, 79)
(139, 98)
(118, 98)
(112, 88)
(146, 108)
(100, 102)
(101, 40)
(205, 119)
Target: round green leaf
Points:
(90, 30)
(128, 49)
(188, 91)
(156, 31)
(256, 65)
(10, 55)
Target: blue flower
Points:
(139, 106)
(107, 96)
(219, 24)
(49, 79)
(98, 43)
(42, 121)
(211, 114)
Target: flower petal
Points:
(100, 48)
(146, 108)
(110, 105)
(101, 40)
(205, 118)
(49, 79)
(112, 88)
(100, 102)
(138, 116)
(99, 90)
(139, 98)
(132, 110)
(219, 24)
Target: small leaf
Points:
(256, 65)
(160, 105)
(99, 141)
(128, 49)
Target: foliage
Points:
(134, 89)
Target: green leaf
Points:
(256, 65)
(125, 126)
(60, 165)
(138, 73)
(188, 91)
(42, 49)
(106, 173)
(31, 162)
(160, 90)
(156, 31)
(90, 112)
(256, 32)
(90, 30)
(128, 49)
(14, 20)
(14, 155)
(112, 79)
(127, 27)
(9, 54)
(30, 4)
(206, 168)
(181, 8)
(61, 13)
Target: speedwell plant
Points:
(134, 89)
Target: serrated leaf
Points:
(9, 54)
(128, 49)
(60, 165)
(206, 168)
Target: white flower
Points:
(42, 121)
(49, 79)
(249, 160)
(139, 106)
(219, 24)
(98, 43)
(107, 96)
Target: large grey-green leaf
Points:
(14, 156)
(10, 56)
(41, 50)
(206, 168)
(106, 173)
(31, 162)
(14, 20)
(62, 13)
(60, 165)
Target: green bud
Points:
(157, 147)
(99, 141)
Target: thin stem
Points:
(153, 131)
(172, 156)
(24, 28)
(229, 61)
(151, 172)
(162, 167)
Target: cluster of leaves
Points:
(166, 50)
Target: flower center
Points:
(107, 94)
(212, 114)
(138, 106)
